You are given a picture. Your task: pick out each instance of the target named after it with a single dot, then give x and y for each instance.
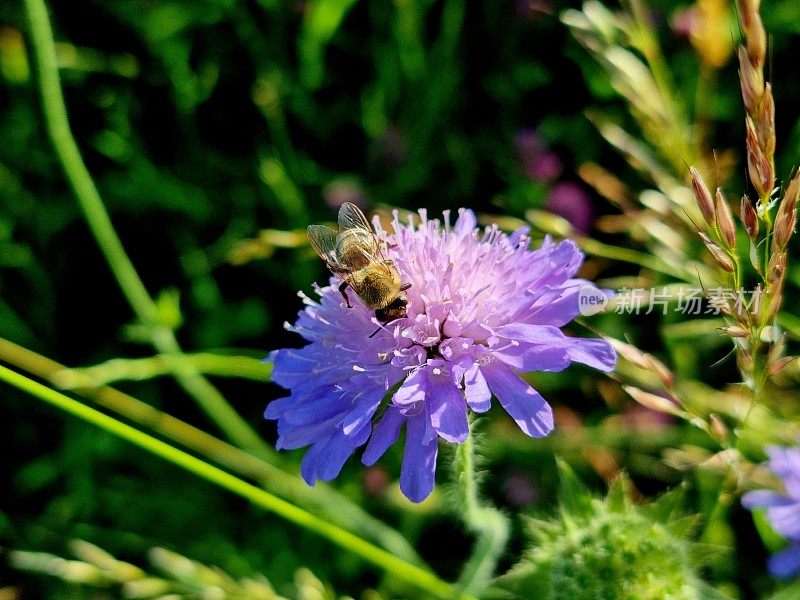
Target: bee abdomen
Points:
(374, 287)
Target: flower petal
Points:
(324, 460)
(786, 520)
(525, 405)
(384, 435)
(593, 352)
(476, 390)
(418, 471)
(363, 410)
(785, 564)
(447, 407)
(759, 498)
(413, 390)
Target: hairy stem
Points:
(43, 55)
(487, 522)
(387, 561)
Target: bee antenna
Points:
(374, 333)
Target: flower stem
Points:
(322, 500)
(490, 525)
(398, 567)
(43, 54)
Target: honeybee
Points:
(356, 255)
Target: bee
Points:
(356, 255)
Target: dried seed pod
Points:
(775, 303)
(727, 228)
(652, 401)
(766, 121)
(643, 360)
(757, 43)
(723, 260)
(735, 331)
(786, 218)
(748, 14)
(749, 217)
(777, 366)
(751, 83)
(758, 166)
(776, 268)
(718, 427)
(703, 196)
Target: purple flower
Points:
(482, 308)
(569, 200)
(538, 163)
(783, 509)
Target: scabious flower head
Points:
(482, 308)
(782, 509)
(609, 549)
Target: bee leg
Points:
(342, 289)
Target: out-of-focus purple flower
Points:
(390, 149)
(641, 418)
(344, 189)
(684, 21)
(519, 490)
(569, 200)
(533, 9)
(783, 509)
(538, 163)
(482, 308)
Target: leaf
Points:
(618, 493)
(790, 592)
(574, 495)
(669, 505)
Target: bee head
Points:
(394, 310)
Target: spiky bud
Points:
(727, 228)
(747, 213)
(608, 549)
(703, 196)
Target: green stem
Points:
(648, 261)
(138, 369)
(54, 111)
(412, 574)
(488, 523)
(321, 500)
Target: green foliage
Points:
(214, 131)
(174, 576)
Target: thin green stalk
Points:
(54, 111)
(648, 261)
(412, 574)
(321, 500)
(488, 523)
(138, 369)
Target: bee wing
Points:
(351, 217)
(323, 240)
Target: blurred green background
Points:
(216, 130)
